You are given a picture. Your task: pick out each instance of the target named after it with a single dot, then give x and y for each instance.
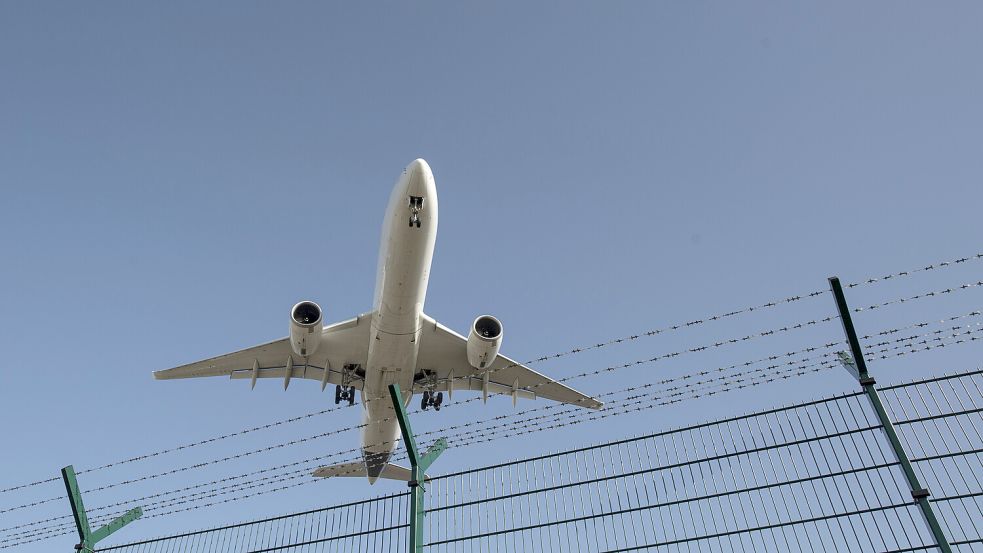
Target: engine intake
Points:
(305, 328)
(484, 341)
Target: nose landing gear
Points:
(416, 206)
(344, 393)
(431, 399)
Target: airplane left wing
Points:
(445, 352)
(344, 343)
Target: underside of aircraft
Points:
(394, 343)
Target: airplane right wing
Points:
(445, 352)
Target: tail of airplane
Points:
(391, 471)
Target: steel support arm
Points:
(419, 464)
(857, 366)
(87, 538)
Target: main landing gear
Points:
(431, 399)
(344, 393)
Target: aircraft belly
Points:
(391, 360)
(404, 288)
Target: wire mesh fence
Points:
(816, 476)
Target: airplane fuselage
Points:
(409, 233)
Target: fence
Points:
(817, 476)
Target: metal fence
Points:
(817, 476)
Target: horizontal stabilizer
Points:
(391, 472)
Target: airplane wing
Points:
(445, 352)
(344, 343)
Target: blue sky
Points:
(174, 177)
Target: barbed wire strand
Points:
(571, 377)
(724, 381)
(641, 403)
(770, 304)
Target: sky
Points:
(175, 176)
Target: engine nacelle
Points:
(305, 328)
(483, 341)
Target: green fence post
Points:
(857, 366)
(88, 538)
(419, 465)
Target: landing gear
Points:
(346, 390)
(416, 206)
(431, 399)
(344, 393)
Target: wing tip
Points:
(167, 374)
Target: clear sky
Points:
(176, 175)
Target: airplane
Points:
(394, 343)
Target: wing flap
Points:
(477, 384)
(308, 372)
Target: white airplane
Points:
(395, 343)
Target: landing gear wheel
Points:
(417, 223)
(425, 402)
(437, 402)
(337, 395)
(351, 396)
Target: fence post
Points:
(87, 538)
(419, 465)
(857, 366)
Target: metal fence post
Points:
(88, 538)
(419, 465)
(857, 366)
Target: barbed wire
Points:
(930, 294)
(499, 418)
(691, 390)
(637, 403)
(282, 478)
(583, 374)
(933, 266)
(701, 348)
(266, 449)
(654, 332)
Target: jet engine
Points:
(305, 328)
(484, 340)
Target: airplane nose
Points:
(418, 174)
(419, 179)
(418, 166)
